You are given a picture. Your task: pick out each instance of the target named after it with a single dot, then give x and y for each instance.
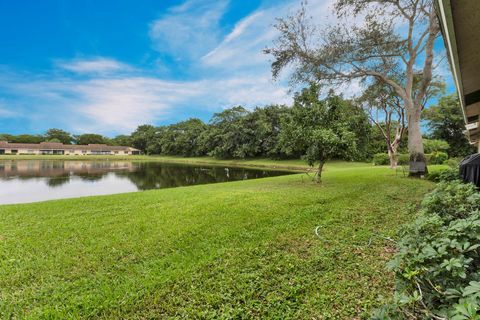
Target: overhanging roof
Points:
(460, 22)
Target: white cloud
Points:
(188, 30)
(5, 113)
(111, 104)
(95, 65)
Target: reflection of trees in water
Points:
(58, 181)
(145, 175)
(91, 177)
(152, 175)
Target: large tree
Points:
(91, 138)
(319, 130)
(59, 135)
(183, 138)
(393, 39)
(143, 137)
(445, 122)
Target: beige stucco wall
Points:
(67, 152)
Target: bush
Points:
(450, 174)
(381, 159)
(438, 157)
(433, 145)
(452, 162)
(438, 259)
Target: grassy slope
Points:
(241, 249)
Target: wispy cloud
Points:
(5, 113)
(189, 30)
(94, 65)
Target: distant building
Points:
(64, 149)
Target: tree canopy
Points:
(445, 122)
(319, 130)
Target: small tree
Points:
(385, 110)
(58, 135)
(319, 129)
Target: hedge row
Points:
(382, 159)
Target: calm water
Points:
(37, 180)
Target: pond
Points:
(23, 181)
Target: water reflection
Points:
(36, 180)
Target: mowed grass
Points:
(230, 250)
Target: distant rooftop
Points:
(61, 146)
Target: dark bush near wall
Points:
(437, 265)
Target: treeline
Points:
(62, 136)
(240, 133)
(267, 132)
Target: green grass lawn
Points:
(230, 250)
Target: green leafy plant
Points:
(438, 157)
(435, 145)
(438, 259)
(449, 174)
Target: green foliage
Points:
(437, 263)
(143, 137)
(404, 159)
(121, 140)
(381, 159)
(450, 174)
(232, 134)
(319, 130)
(438, 157)
(22, 138)
(91, 138)
(435, 145)
(453, 162)
(181, 139)
(446, 122)
(58, 135)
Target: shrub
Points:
(381, 159)
(452, 163)
(437, 263)
(433, 145)
(450, 174)
(438, 157)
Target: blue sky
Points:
(109, 66)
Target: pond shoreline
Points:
(33, 180)
(295, 165)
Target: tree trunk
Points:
(392, 155)
(318, 176)
(418, 163)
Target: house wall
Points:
(76, 152)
